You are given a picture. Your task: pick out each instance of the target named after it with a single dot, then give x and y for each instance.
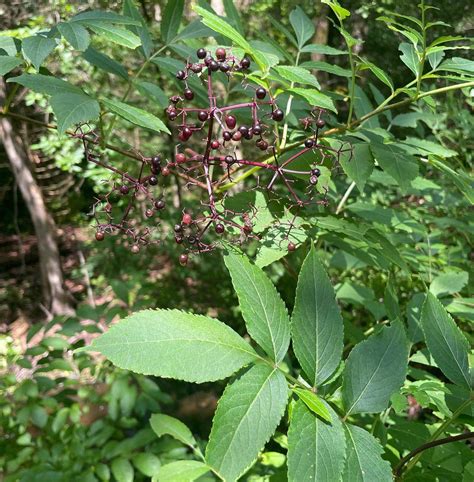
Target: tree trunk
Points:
(56, 298)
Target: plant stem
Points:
(345, 197)
(352, 84)
(440, 430)
(288, 110)
(421, 65)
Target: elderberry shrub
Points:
(214, 142)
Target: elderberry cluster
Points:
(214, 142)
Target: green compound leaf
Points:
(174, 344)
(37, 48)
(247, 415)
(315, 98)
(316, 322)
(171, 20)
(445, 341)
(71, 108)
(364, 462)
(117, 35)
(263, 309)
(8, 63)
(165, 425)
(316, 449)
(375, 369)
(298, 75)
(135, 115)
(45, 84)
(302, 25)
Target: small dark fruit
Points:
(245, 63)
(224, 67)
(172, 114)
(213, 66)
(247, 228)
(309, 143)
(229, 159)
(220, 228)
(260, 93)
(165, 171)
(243, 130)
(320, 123)
(187, 133)
(179, 239)
(202, 115)
(201, 53)
(135, 249)
(291, 246)
(208, 60)
(192, 239)
(124, 189)
(153, 180)
(230, 121)
(257, 129)
(262, 145)
(315, 172)
(196, 68)
(188, 94)
(181, 75)
(187, 219)
(183, 259)
(215, 144)
(227, 136)
(313, 180)
(99, 235)
(220, 53)
(178, 228)
(149, 213)
(160, 204)
(277, 115)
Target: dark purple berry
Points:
(153, 180)
(124, 189)
(181, 75)
(178, 239)
(203, 115)
(188, 94)
(178, 228)
(229, 159)
(245, 63)
(149, 213)
(213, 66)
(160, 204)
(237, 136)
(260, 93)
(220, 228)
(192, 239)
(309, 143)
(196, 68)
(183, 259)
(230, 121)
(227, 136)
(99, 235)
(313, 180)
(315, 172)
(208, 60)
(243, 130)
(257, 129)
(277, 115)
(224, 67)
(262, 144)
(220, 53)
(201, 53)
(320, 123)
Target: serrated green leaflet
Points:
(315, 98)
(72, 108)
(181, 471)
(316, 323)
(8, 63)
(135, 115)
(174, 344)
(313, 402)
(263, 309)
(374, 370)
(446, 343)
(75, 34)
(45, 84)
(364, 462)
(37, 48)
(165, 425)
(117, 35)
(172, 16)
(299, 75)
(247, 415)
(316, 448)
(358, 164)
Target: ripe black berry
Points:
(277, 115)
(181, 75)
(172, 114)
(262, 144)
(124, 189)
(229, 159)
(226, 135)
(188, 94)
(243, 130)
(208, 60)
(178, 228)
(192, 239)
(160, 204)
(165, 171)
(213, 66)
(257, 129)
(320, 123)
(99, 235)
(224, 67)
(179, 239)
(245, 63)
(247, 228)
(203, 115)
(309, 143)
(201, 53)
(260, 93)
(315, 172)
(220, 228)
(196, 68)
(183, 259)
(230, 121)
(220, 53)
(153, 180)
